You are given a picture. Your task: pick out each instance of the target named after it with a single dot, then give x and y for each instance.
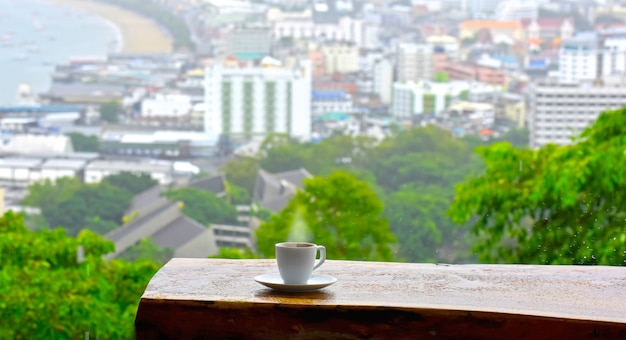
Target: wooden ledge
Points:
(211, 298)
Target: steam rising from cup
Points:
(299, 230)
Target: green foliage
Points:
(98, 207)
(427, 161)
(242, 173)
(337, 211)
(110, 111)
(146, 249)
(441, 77)
(235, 254)
(237, 194)
(43, 194)
(133, 183)
(203, 206)
(73, 205)
(84, 143)
(555, 205)
(517, 137)
(47, 294)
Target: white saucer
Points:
(316, 282)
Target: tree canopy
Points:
(203, 206)
(338, 211)
(49, 293)
(554, 205)
(110, 111)
(74, 205)
(84, 143)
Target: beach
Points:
(138, 34)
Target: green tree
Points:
(48, 294)
(242, 172)
(337, 211)
(84, 143)
(203, 206)
(237, 194)
(146, 249)
(517, 137)
(133, 183)
(99, 207)
(48, 193)
(417, 170)
(110, 111)
(554, 205)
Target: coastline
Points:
(136, 34)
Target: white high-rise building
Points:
(383, 79)
(414, 62)
(578, 58)
(559, 111)
(258, 100)
(614, 56)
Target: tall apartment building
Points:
(257, 100)
(414, 62)
(559, 111)
(578, 58)
(383, 79)
(593, 55)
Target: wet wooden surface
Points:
(211, 298)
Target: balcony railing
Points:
(219, 299)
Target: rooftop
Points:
(490, 24)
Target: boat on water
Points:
(5, 37)
(22, 56)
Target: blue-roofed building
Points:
(331, 101)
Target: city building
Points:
(161, 171)
(340, 57)
(512, 30)
(517, 10)
(426, 97)
(248, 41)
(383, 79)
(246, 100)
(331, 101)
(560, 111)
(480, 73)
(548, 31)
(346, 29)
(480, 9)
(166, 105)
(444, 44)
(414, 62)
(578, 58)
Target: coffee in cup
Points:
(296, 260)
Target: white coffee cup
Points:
(296, 260)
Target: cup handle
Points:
(322, 258)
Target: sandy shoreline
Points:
(139, 34)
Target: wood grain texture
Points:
(210, 298)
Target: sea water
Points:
(35, 35)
